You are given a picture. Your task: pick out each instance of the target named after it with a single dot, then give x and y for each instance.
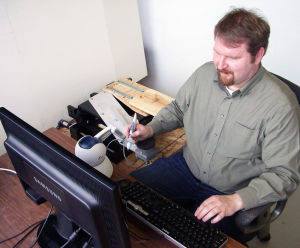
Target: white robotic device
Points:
(91, 149)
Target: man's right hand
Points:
(141, 132)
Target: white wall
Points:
(54, 53)
(178, 37)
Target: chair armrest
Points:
(246, 220)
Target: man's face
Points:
(234, 63)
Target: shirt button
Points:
(222, 115)
(215, 134)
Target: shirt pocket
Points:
(240, 141)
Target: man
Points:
(241, 125)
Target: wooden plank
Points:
(148, 102)
(127, 91)
(151, 101)
(150, 107)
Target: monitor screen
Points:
(82, 196)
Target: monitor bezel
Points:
(90, 199)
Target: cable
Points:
(8, 171)
(63, 123)
(110, 143)
(127, 160)
(45, 221)
(71, 238)
(34, 224)
(122, 143)
(85, 245)
(25, 236)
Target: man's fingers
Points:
(218, 206)
(198, 210)
(219, 217)
(135, 134)
(211, 213)
(126, 130)
(208, 209)
(208, 212)
(203, 210)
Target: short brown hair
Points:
(240, 25)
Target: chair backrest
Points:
(295, 88)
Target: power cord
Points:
(34, 225)
(37, 224)
(26, 235)
(63, 123)
(8, 171)
(85, 245)
(71, 238)
(42, 228)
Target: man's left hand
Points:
(219, 206)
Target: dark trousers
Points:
(172, 178)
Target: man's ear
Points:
(259, 55)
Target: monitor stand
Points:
(57, 230)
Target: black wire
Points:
(45, 221)
(36, 223)
(86, 244)
(71, 238)
(25, 236)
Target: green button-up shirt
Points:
(247, 142)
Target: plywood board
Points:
(151, 101)
(139, 98)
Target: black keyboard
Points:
(169, 219)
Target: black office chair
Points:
(256, 221)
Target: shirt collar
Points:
(248, 86)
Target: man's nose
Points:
(222, 63)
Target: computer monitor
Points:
(82, 196)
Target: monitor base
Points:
(51, 237)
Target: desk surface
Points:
(17, 211)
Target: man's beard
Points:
(228, 79)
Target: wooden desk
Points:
(17, 211)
